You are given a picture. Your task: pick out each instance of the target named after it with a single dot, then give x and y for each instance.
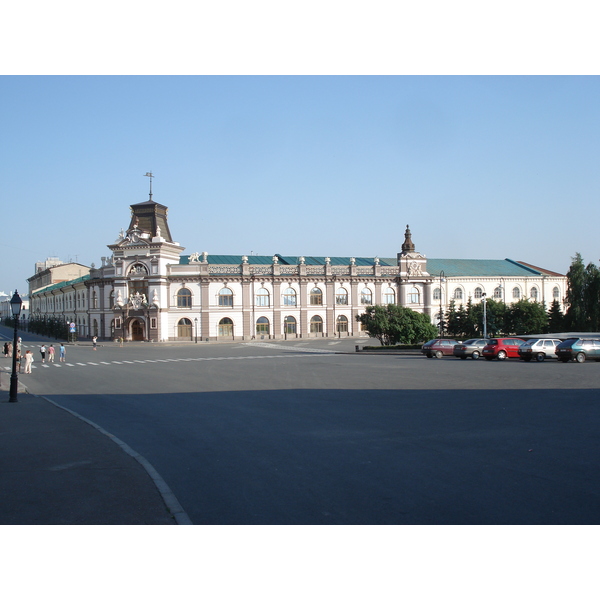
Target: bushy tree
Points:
(393, 324)
(525, 317)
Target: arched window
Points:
(316, 297)
(316, 324)
(95, 327)
(516, 293)
(225, 297)
(478, 292)
(289, 297)
(262, 326)
(534, 293)
(437, 294)
(389, 296)
(184, 329)
(262, 297)
(94, 300)
(342, 324)
(498, 293)
(225, 327)
(289, 325)
(341, 297)
(556, 293)
(414, 296)
(458, 294)
(366, 296)
(184, 298)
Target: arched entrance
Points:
(137, 330)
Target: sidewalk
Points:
(58, 469)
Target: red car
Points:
(438, 348)
(502, 348)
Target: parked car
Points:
(438, 348)
(540, 349)
(578, 349)
(502, 348)
(470, 348)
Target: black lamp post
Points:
(196, 324)
(15, 305)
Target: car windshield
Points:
(529, 343)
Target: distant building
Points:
(147, 289)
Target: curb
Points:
(169, 498)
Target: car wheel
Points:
(580, 357)
(439, 354)
(501, 355)
(475, 355)
(540, 357)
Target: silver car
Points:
(539, 349)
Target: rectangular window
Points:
(153, 323)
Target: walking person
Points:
(51, 354)
(18, 360)
(43, 352)
(5, 351)
(28, 361)
(94, 342)
(10, 349)
(62, 351)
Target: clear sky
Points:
(479, 166)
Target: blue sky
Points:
(479, 166)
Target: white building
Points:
(148, 289)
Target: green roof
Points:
(452, 267)
(467, 267)
(61, 284)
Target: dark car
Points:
(502, 348)
(540, 349)
(472, 348)
(578, 349)
(438, 348)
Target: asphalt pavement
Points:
(57, 468)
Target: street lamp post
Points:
(196, 330)
(15, 305)
(442, 278)
(484, 317)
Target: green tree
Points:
(591, 296)
(556, 318)
(575, 298)
(525, 317)
(453, 326)
(393, 324)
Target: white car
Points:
(539, 349)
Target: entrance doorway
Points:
(137, 331)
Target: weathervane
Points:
(151, 176)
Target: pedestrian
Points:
(43, 352)
(18, 360)
(28, 361)
(51, 354)
(62, 351)
(9, 350)
(5, 351)
(94, 342)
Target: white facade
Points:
(147, 289)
